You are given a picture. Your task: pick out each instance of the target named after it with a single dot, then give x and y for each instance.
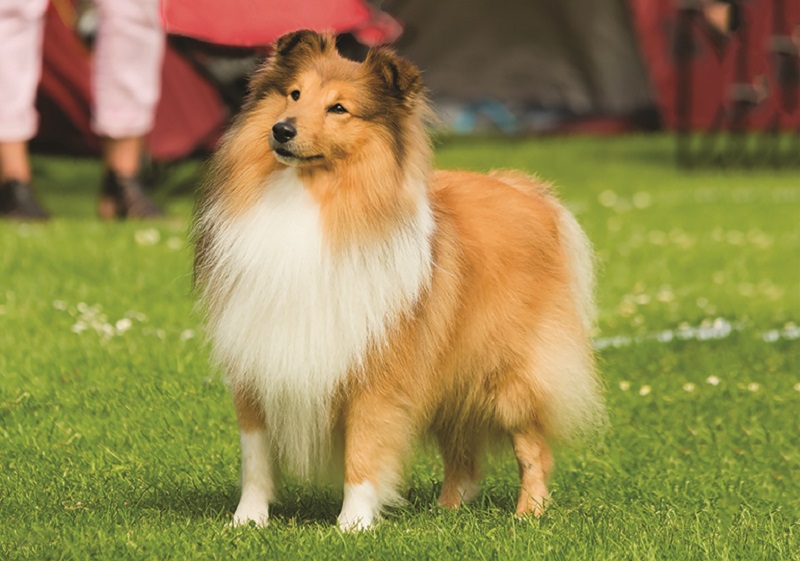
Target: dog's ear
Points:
(288, 54)
(397, 74)
(303, 42)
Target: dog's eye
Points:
(338, 108)
(295, 94)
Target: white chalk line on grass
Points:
(93, 319)
(708, 330)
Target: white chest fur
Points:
(295, 319)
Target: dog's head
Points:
(318, 108)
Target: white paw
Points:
(360, 509)
(348, 523)
(251, 512)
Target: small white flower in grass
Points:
(642, 199)
(688, 387)
(796, 387)
(187, 334)
(665, 294)
(627, 307)
(607, 198)
(79, 327)
(644, 390)
(175, 243)
(770, 336)
(138, 316)
(716, 329)
(686, 331)
(665, 336)
(753, 386)
(59, 305)
(123, 325)
(148, 236)
(713, 380)
(624, 386)
(681, 238)
(791, 331)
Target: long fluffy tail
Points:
(581, 258)
(572, 393)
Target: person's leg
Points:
(14, 162)
(127, 67)
(127, 84)
(122, 155)
(21, 32)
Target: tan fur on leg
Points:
(535, 462)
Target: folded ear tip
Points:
(396, 71)
(290, 41)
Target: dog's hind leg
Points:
(461, 456)
(535, 462)
(258, 469)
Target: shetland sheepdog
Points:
(357, 299)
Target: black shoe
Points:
(18, 201)
(123, 197)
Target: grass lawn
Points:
(116, 441)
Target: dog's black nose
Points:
(283, 131)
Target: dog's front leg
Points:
(377, 435)
(258, 470)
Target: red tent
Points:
(706, 80)
(248, 23)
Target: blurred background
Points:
(710, 70)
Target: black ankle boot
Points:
(123, 197)
(18, 201)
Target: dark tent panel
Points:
(579, 56)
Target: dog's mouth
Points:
(291, 156)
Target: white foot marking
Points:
(258, 487)
(251, 509)
(360, 508)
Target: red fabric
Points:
(64, 96)
(715, 69)
(248, 23)
(190, 113)
(189, 116)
